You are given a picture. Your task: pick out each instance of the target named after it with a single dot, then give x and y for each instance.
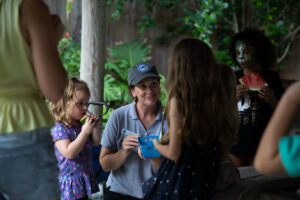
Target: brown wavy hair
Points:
(230, 115)
(62, 109)
(195, 81)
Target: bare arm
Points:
(155, 161)
(172, 150)
(267, 159)
(110, 160)
(95, 137)
(71, 149)
(42, 33)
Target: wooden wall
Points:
(126, 30)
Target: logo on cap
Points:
(143, 68)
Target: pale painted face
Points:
(245, 55)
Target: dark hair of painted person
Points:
(264, 49)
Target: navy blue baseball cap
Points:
(141, 71)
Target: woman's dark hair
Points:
(265, 51)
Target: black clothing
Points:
(109, 195)
(254, 119)
(193, 176)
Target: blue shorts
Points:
(28, 166)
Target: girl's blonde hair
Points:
(195, 81)
(61, 110)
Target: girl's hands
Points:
(130, 142)
(140, 153)
(155, 161)
(96, 119)
(155, 142)
(90, 123)
(268, 95)
(240, 91)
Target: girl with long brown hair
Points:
(198, 123)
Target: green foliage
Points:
(203, 21)
(278, 19)
(69, 5)
(132, 52)
(163, 91)
(69, 52)
(119, 11)
(115, 83)
(121, 58)
(198, 17)
(206, 18)
(146, 23)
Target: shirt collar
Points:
(133, 113)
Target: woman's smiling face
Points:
(147, 91)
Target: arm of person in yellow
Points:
(42, 32)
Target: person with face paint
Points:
(253, 52)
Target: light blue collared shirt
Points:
(128, 178)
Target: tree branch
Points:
(279, 60)
(228, 21)
(291, 35)
(284, 10)
(235, 25)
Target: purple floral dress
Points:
(76, 177)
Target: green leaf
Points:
(69, 52)
(111, 92)
(133, 52)
(282, 67)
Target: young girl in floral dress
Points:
(72, 140)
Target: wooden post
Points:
(93, 47)
(75, 20)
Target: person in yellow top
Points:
(30, 71)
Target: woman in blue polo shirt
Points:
(142, 117)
